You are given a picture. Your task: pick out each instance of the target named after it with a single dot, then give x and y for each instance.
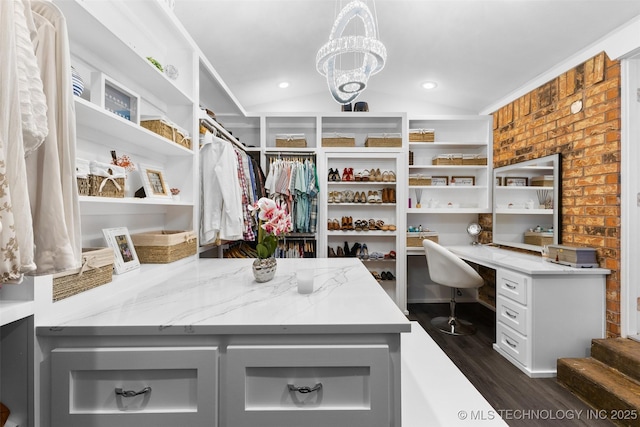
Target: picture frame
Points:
(516, 181)
(498, 182)
(115, 97)
(154, 182)
(463, 180)
(440, 181)
(125, 256)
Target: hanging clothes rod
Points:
(217, 129)
(290, 154)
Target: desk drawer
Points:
(94, 386)
(512, 314)
(512, 285)
(279, 386)
(512, 343)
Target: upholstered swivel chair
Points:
(447, 269)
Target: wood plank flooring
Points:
(522, 401)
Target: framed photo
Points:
(513, 181)
(463, 180)
(115, 97)
(153, 181)
(125, 255)
(498, 182)
(440, 180)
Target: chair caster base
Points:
(453, 326)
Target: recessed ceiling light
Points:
(283, 85)
(429, 85)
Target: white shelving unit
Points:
(446, 209)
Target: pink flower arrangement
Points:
(273, 221)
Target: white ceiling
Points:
(479, 51)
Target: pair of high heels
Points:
(334, 175)
(347, 174)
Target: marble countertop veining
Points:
(220, 296)
(518, 261)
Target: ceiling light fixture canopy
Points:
(369, 54)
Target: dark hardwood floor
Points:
(522, 401)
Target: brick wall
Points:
(541, 123)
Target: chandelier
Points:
(365, 53)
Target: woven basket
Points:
(164, 129)
(338, 142)
(291, 141)
(474, 159)
(109, 188)
(447, 159)
(422, 135)
(162, 247)
(414, 240)
(83, 186)
(97, 270)
(419, 180)
(537, 238)
(383, 142)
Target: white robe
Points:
(51, 169)
(221, 196)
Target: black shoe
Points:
(355, 249)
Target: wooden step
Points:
(622, 354)
(602, 387)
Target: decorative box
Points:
(383, 140)
(96, 270)
(106, 180)
(422, 135)
(338, 140)
(164, 246)
(82, 176)
(414, 239)
(165, 128)
(474, 159)
(572, 256)
(294, 140)
(417, 179)
(538, 238)
(114, 97)
(447, 159)
(541, 181)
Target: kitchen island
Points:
(206, 345)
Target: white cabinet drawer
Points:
(283, 385)
(512, 343)
(512, 314)
(95, 386)
(512, 285)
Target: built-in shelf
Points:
(11, 311)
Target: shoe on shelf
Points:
(372, 224)
(376, 255)
(385, 195)
(365, 175)
(340, 252)
(376, 275)
(332, 253)
(355, 250)
(383, 275)
(364, 251)
(392, 195)
(347, 251)
(390, 276)
(385, 176)
(358, 225)
(392, 176)
(376, 194)
(392, 227)
(358, 176)
(351, 177)
(371, 198)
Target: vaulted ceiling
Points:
(478, 51)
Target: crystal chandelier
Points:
(366, 53)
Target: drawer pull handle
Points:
(510, 286)
(305, 389)
(510, 343)
(131, 393)
(510, 314)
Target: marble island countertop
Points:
(518, 261)
(220, 296)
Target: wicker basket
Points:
(414, 240)
(83, 186)
(165, 246)
(338, 140)
(422, 135)
(83, 170)
(538, 238)
(383, 140)
(447, 159)
(474, 159)
(291, 141)
(419, 180)
(542, 181)
(97, 270)
(106, 180)
(165, 129)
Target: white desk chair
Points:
(447, 269)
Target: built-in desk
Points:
(544, 311)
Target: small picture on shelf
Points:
(153, 182)
(125, 257)
(440, 180)
(512, 181)
(114, 97)
(463, 180)
(498, 181)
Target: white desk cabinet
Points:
(544, 311)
